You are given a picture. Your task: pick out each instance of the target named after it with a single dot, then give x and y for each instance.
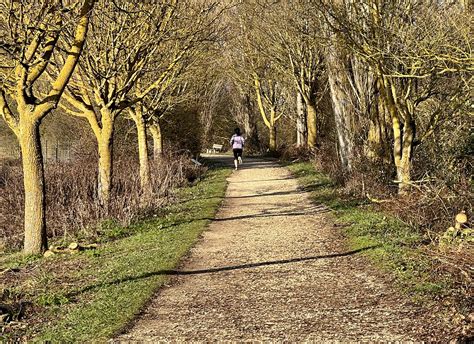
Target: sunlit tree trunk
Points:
(33, 180)
(301, 133)
(30, 112)
(272, 145)
(155, 130)
(270, 121)
(403, 128)
(312, 124)
(341, 102)
(105, 150)
(404, 167)
(145, 178)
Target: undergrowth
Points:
(93, 295)
(437, 278)
(396, 244)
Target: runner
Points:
(237, 142)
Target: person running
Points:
(237, 142)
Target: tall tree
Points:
(253, 67)
(127, 36)
(299, 50)
(415, 66)
(30, 35)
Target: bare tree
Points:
(127, 38)
(30, 37)
(298, 46)
(420, 56)
(254, 67)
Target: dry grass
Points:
(72, 208)
(436, 196)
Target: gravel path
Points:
(272, 267)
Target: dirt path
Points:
(272, 267)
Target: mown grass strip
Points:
(397, 245)
(128, 271)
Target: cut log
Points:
(461, 218)
(48, 253)
(89, 247)
(73, 246)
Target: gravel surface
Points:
(272, 267)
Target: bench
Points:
(215, 148)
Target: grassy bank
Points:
(398, 246)
(93, 295)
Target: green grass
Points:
(102, 290)
(396, 245)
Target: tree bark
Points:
(33, 180)
(403, 128)
(250, 125)
(155, 130)
(145, 179)
(105, 149)
(30, 114)
(377, 146)
(311, 123)
(343, 107)
(404, 167)
(272, 143)
(374, 139)
(301, 133)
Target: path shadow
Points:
(277, 193)
(310, 211)
(219, 269)
(261, 180)
(269, 214)
(249, 162)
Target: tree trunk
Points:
(155, 130)
(105, 147)
(273, 143)
(33, 179)
(250, 125)
(404, 167)
(343, 107)
(403, 136)
(342, 114)
(311, 123)
(301, 134)
(374, 139)
(145, 180)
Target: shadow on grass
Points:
(338, 203)
(219, 269)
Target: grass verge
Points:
(93, 295)
(396, 244)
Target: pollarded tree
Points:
(353, 98)
(191, 29)
(420, 55)
(296, 42)
(140, 48)
(127, 37)
(30, 36)
(146, 115)
(253, 67)
(269, 101)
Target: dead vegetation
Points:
(73, 209)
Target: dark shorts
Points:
(237, 153)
